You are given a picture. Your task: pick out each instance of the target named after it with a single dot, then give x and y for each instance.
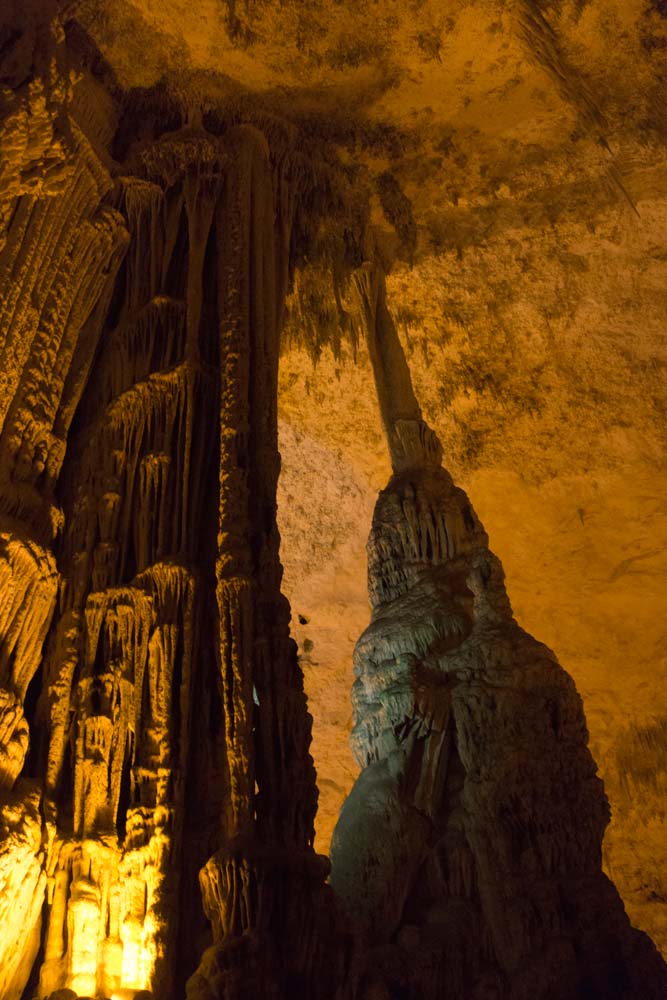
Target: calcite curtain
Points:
(141, 319)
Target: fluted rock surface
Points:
(144, 640)
(22, 885)
(34, 90)
(61, 243)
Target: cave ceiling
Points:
(515, 155)
(467, 103)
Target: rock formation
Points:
(157, 793)
(469, 850)
(62, 242)
(159, 746)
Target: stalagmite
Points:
(469, 850)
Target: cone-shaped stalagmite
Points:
(469, 850)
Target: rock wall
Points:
(61, 243)
(165, 745)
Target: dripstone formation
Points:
(157, 795)
(476, 824)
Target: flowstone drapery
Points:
(469, 850)
(166, 746)
(167, 723)
(61, 242)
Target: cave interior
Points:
(333, 533)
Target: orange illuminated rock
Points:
(469, 849)
(185, 197)
(14, 736)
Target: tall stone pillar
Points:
(171, 696)
(469, 850)
(263, 888)
(61, 243)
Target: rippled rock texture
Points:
(475, 827)
(145, 657)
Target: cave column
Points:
(266, 857)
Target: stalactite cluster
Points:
(161, 745)
(60, 248)
(35, 143)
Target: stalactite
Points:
(119, 668)
(155, 301)
(29, 580)
(143, 206)
(153, 722)
(150, 340)
(122, 649)
(28, 585)
(124, 721)
(478, 805)
(14, 735)
(56, 260)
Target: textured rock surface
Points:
(170, 374)
(163, 173)
(478, 816)
(34, 88)
(60, 249)
(23, 882)
(469, 850)
(132, 672)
